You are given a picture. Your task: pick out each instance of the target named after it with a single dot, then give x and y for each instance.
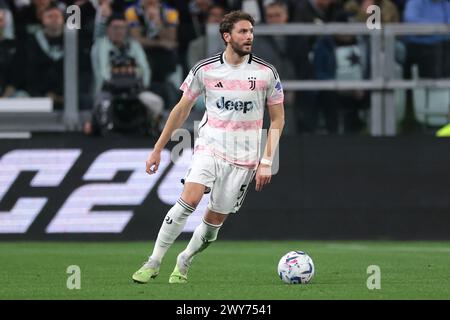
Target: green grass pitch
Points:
(226, 270)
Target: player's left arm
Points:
(264, 171)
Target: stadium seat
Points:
(347, 68)
(431, 106)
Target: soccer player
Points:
(237, 86)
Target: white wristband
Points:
(266, 162)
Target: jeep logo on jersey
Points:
(237, 105)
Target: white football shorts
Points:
(228, 183)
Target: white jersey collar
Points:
(247, 60)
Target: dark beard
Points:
(240, 52)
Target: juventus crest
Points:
(252, 81)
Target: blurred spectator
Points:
(309, 11)
(359, 99)
(7, 54)
(254, 7)
(154, 25)
(104, 11)
(430, 53)
(121, 67)
(340, 57)
(192, 29)
(197, 48)
(29, 18)
(8, 19)
(44, 58)
(193, 15)
(313, 11)
(282, 50)
(199, 10)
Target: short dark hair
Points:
(231, 18)
(115, 16)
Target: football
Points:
(296, 267)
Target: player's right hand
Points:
(152, 163)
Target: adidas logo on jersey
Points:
(237, 105)
(219, 85)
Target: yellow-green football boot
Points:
(179, 274)
(444, 131)
(145, 273)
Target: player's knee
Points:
(193, 195)
(214, 218)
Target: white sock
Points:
(171, 228)
(204, 234)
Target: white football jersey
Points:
(235, 98)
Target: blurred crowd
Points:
(139, 47)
